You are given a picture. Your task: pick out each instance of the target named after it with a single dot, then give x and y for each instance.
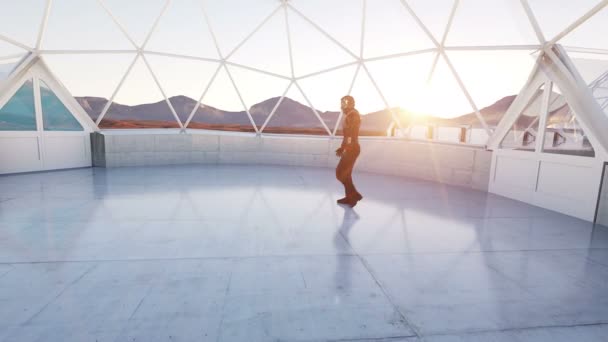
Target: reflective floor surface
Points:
(254, 253)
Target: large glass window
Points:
(523, 133)
(19, 114)
(55, 116)
(563, 134)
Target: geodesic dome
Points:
(281, 66)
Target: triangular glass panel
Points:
(434, 14)
(593, 68)
(21, 20)
(221, 107)
(294, 116)
(267, 49)
(402, 81)
(491, 23)
(553, 18)
(587, 35)
(325, 54)
(18, 114)
(563, 133)
(183, 80)
(326, 100)
(390, 29)
(64, 31)
(523, 133)
(137, 17)
(233, 20)
(375, 116)
(259, 91)
(55, 115)
(347, 32)
(442, 111)
(91, 79)
(139, 103)
(493, 78)
(183, 30)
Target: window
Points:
(19, 114)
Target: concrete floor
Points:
(252, 253)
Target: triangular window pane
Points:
(267, 49)
(137, 17)
(182, 30)
(18, 114)
(139, 103)
(491, 22)
(587, 35)
(492, 85)
(563, 134)
(231, 24)
(91, 29)
(259, 91)
(294, 116)
(553, 18)
(326, 100)
(375, 117)
(91, 79)
(390, 29)
(434, 14)
(55, 115)
(402, 81)
(452, 118)
(593, 68)
(325, 54)
(325, 14)
(523, 133)
(21, 20)
(221, 107)
(183, 80)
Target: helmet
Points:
(348, 101)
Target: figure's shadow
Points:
(345, 261)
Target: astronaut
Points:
(349, 151)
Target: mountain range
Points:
(289, 115)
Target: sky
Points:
(406, 82)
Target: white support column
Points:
(543, 115)
(45, 19)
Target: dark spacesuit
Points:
(349, 151)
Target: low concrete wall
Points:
(466, 166)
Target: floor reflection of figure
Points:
(344, 264)
(349, 151)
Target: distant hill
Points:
(290, 114)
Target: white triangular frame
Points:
(554, 66)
